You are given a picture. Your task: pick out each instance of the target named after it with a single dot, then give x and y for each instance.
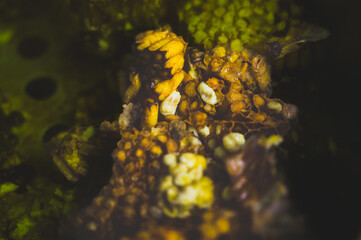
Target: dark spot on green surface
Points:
(41, 88)
(53, 131)
(32, 47)
(7, 141)
(16, 118)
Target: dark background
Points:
(323, 166)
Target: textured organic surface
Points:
(192, 156)
(200, 163)
(238, 23)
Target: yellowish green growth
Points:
(70, 159)
(5, 35)
(219, 152)
(23, 227)
(133, 89)
(236, 45)
(103, 45)
(11, 161)
(106, 17)
(220, 51)
(212, 143)
(128, 26)
(233, 142)
(273, 140)
(219, 129)
(275, 106)
(31, 214)
(73, 162)
(7, 187)
(185, 187)
(227, 193)
(87, 134)
(237, 23)
(190, 140)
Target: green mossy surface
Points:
(105, 19)
(35, 213)
(223, 21)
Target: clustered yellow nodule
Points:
(185, 187)
(158, 72)
(239, 67)
(168, 50)
(134, 179)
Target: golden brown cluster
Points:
(195, 156)
(124, 202)
(205, 103)
(213, 224)
(219, 84)
(231, 88)
(146, 183)
(158, 232)
(244, 68)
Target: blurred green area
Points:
(242, 23)
(45, 87)
(106, 21)
(35, 212)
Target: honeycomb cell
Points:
(32, 47)
(41, 88)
